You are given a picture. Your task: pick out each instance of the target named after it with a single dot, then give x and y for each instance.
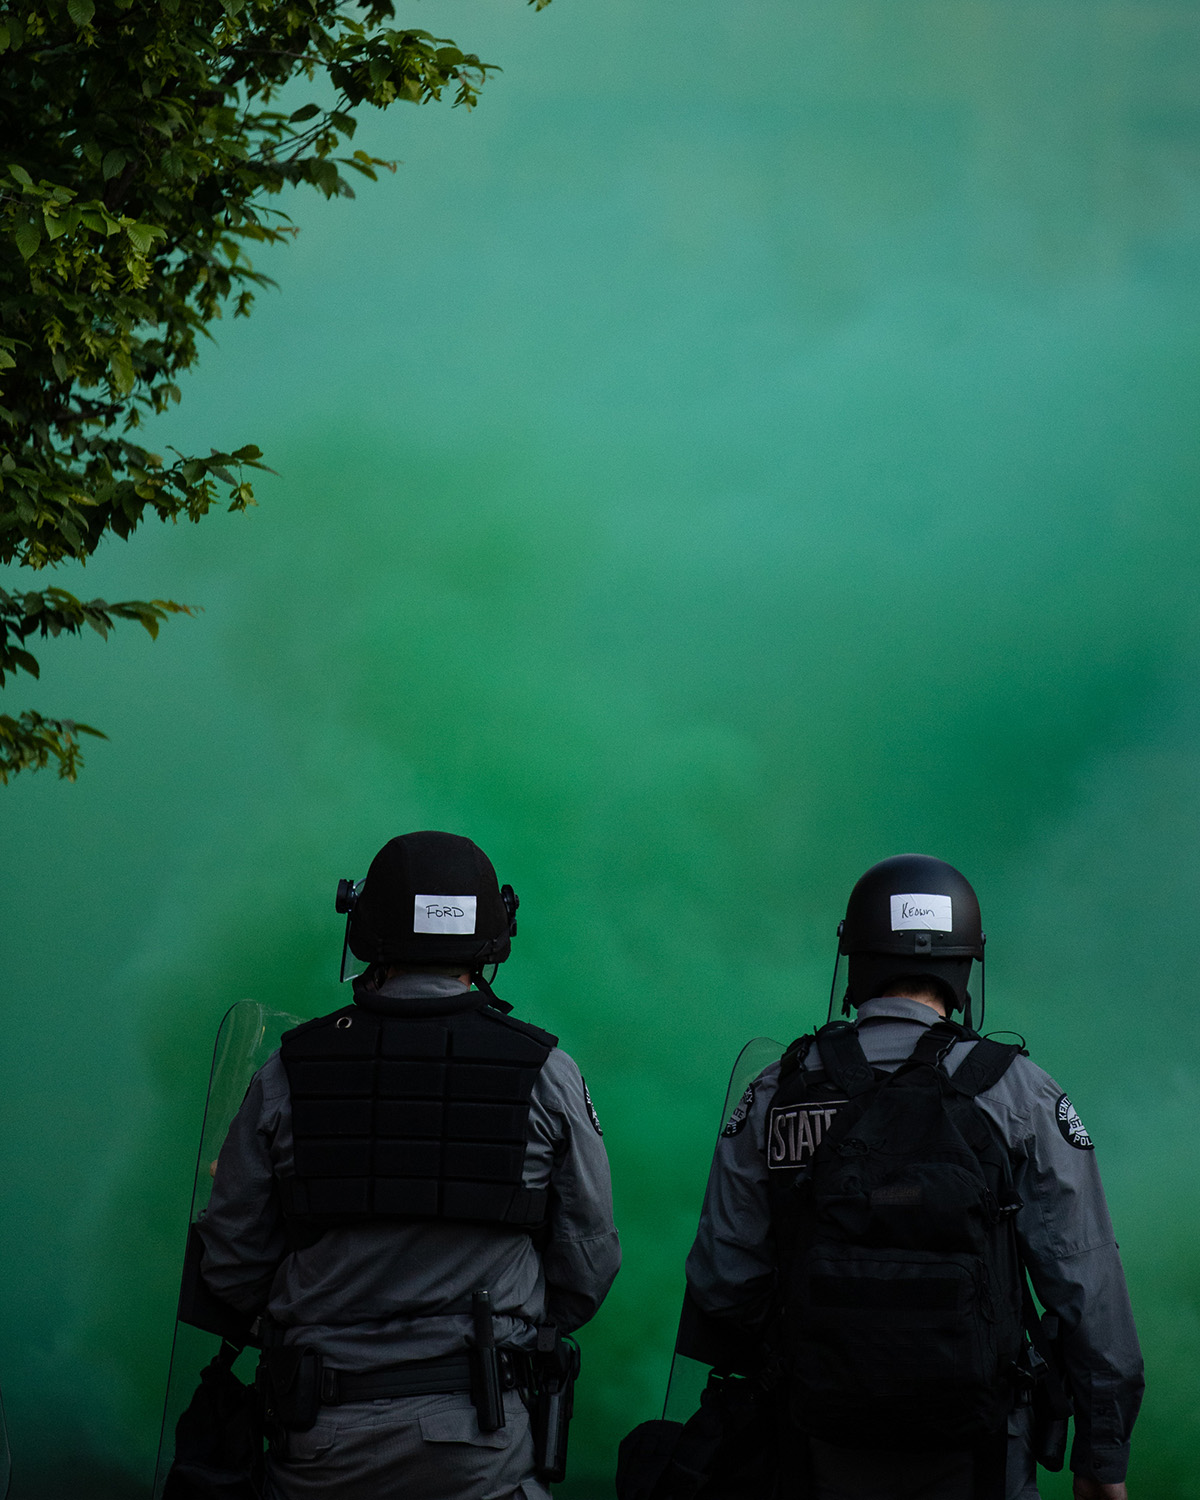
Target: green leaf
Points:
(305, 112)
(325, 175)
(121, 367)
(4, 37)
(21, 175)
(55, 226)
(81, 11)
(142, 236)
(28, 237)
(114, 164)
(25, 661)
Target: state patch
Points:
(794, 1131)
(1071, 1126)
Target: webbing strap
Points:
(985, 1064)
(794, 1057)
(845, 1061)
(935, 1043)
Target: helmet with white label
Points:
(911, 917)
(430, 898)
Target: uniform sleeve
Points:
(1068, 1245)
(731, 1266)
(243, 1228)
(582, 1252)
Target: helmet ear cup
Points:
(511, 902)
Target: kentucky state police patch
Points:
(794, 1131)
(1071, 1126)
(741, 1113)
(591, 1108)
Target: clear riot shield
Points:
(248, 1035)
(701, 1342)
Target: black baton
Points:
(487, 1396)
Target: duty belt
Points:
(419, 1377)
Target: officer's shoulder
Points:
(537, 1034)
(1023, 1083)
(269, 1083)
(317, 1024)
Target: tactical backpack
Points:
(899, 1320)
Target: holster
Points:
(289, 1385)
(1048, 1396)
(555, 1370)
(1051, 1403)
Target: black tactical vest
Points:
(899, 1315)
(422, 1117)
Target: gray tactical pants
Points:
(409, 1448)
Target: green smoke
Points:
(758, 441)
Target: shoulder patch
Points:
(591, 1108)
(1071, 1127)
(737, 1120)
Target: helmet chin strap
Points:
(481, 984)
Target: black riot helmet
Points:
(911, 917)
(429, 898)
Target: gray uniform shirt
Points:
(381, 1293)
(1064, 1229)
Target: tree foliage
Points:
(144, 140)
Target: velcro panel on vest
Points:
(402, 1118)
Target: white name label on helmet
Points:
(926, 913)
(453, 914)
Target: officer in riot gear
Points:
(414, 1199)
(911, 935)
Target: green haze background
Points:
(761, 439)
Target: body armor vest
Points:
(892, 1202)
(399, 1117)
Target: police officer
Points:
(911, 933)
(393, 1163)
